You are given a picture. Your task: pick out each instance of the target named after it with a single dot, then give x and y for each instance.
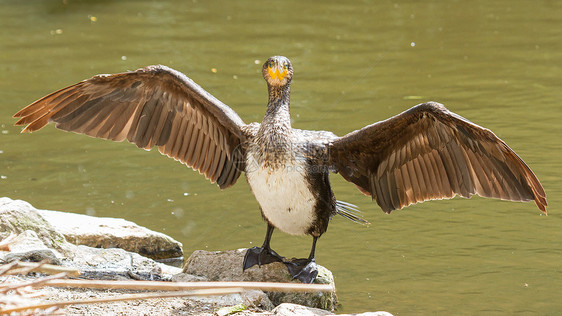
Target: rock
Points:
(118, 264)
(227, 266)
(257, 299)
(98, 232)
(252, 298)
(19, 216)
(46, 255)
(379, 313)
(37, 240)
(288, 309)
(28, 247)
(105, 232)
(184, 277)
(29, 240)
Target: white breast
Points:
(283, 195)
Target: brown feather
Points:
(152, 106)
(432, 153)
(424, 153)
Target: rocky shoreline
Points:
(116, 249)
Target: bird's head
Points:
(277, 71)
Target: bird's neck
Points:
(278, 114)
(275, 130)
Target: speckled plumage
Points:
(286, 168)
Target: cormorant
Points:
(424, 153)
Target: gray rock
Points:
(379, 313)
(288, 309)
(28, 247)
(117, 264)
(37, 255)
(29, 240)
(227, 266)
(37, 240)
(257, 299)
(252, 298)
(54, 227)
(19, 216)
(184, 277)
(105, 232)
(40, 239)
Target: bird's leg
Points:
(305, 270)
(262, 255)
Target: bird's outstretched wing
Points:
(152, 106)
(428, 152)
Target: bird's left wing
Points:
(430, 153)
(152, 106)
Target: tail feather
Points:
(350, 211)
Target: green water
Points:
(498, 63)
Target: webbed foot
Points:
(305, 270)
(260, 256)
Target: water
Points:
(497, 63)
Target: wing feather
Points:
(152, 106)
(429, 153)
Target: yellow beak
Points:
(275, 73)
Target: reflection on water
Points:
(497, 64)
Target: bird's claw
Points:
(260, 256)
(304, 270)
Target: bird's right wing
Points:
(152, 106)
(428, 153)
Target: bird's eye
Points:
(285, 66)
(270, 64)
